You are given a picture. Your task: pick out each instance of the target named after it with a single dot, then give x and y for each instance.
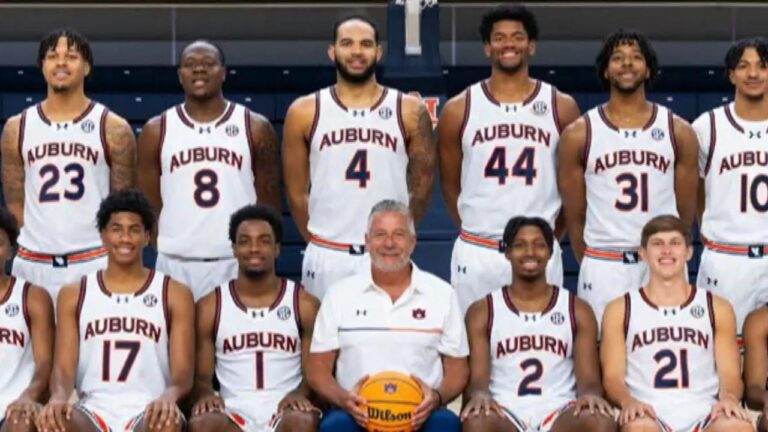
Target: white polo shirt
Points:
(372, 334)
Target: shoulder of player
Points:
(68, 295)
(454, 108)
(477, 313)
(303, 108)
(178, 292)
(564, 100)
(305, 298)
(257, 119)
(11, 129)
(721, 305)
(615, 307)
(575, 134)
(206, 302)
(154, 124)
(116, 123)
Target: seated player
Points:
(756, 364)
(668, 350)
(26, 340)
(391, 316)
(256, 319)
(533, 348)
(125, 336)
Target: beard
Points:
(385, 267)
(255, 275)
(627, 89)
(530, 278)
(359, 78)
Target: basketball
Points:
(391, 397)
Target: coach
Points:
(392, 317)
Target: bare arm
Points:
(686, 170)
(613, 354)
(479, 348)
(13, 169)
(727, 360)
(266, 161)
(42, 331)
(298, 125)
(568, 112)
(205, 363)
(181, 341)
(421, 155)
(308, 307)
(67, 345)
(701, 202)
(450, 153)
(586, 362)
(149, 164)
(455, 377)
(756, 358)
(319, 372)
(122, 153)
(572, 184)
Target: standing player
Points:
(732, 160)
(533, 348)
(199, 162)
(26, 341)
(355, 143)
(498, 154)
(125, 336)
(668, 350)
(60, 158)
(756, 364)
(389, 316)
(258, 306)
(621, 164)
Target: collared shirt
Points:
(373, 334)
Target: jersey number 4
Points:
(357, 170)
(666, 378)
(132, 347)
(524, 166)
(50, 174)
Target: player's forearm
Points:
(419, 203)
(731, 389)
(455, 379)
(299, 206)
(576, 236)
(451, 200)
(618, 393)
(327, 387)
(38, 388)
(62, 385)
(756, 397)
(203, 387)
(590, 389)
(177, 391)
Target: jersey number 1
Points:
(662, 379)
(749, 193)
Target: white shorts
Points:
(110, 419)
(679, 417)
(324, 265)
(477, 268)
(200, 275)
(256, 417)
(540, 418)
(609, 276)
(53, 272)
(741, 280)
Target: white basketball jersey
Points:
(733, 161)
(206, 175)
(630, 177)
(66, 166)
(16, 357)
(531, 353)
(357, 157)
(258, 350)
(670, 350)
(509, 164)
(123, 343)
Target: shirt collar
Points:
(417, 281)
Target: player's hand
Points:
(55, 416)
(22, 410)
(161, 413)
(594, 405)
(729, 408)
(356, 406)
(430, 403)
(481, 402)
(209, 403)
(295, 401)
(635, 410)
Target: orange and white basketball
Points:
(391, 397)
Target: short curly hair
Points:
(9, 224)
(256, 212)
(126, 200)
(515, 12)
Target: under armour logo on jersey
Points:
(206, 129)
(119, 299)
(670, 312)
(509, 108)
(630, 134)
(358, 113)
(711, 281)
(257, 314)
(60, 126)
(461, 269)
(756, 134)
(362, 312)
(586, 286)
(310, 274)
(528, 317)
(756, 251)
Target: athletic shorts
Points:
(200, 275)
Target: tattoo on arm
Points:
(122, 152)
(13, 170)
(421, 163)
(266, 165)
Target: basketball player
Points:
(756, 364)
(668, 350)
(200, 161)
(732, 205)
(621, 164)
(26, 341)
(533, 348)
(389, 317)
(498, 148)
(356, 143)
(60, 158)
(125, 336)
(275, 313)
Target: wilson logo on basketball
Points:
(387, 415)
(419, 314)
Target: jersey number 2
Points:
(527, 386)
(662, 379)
(106, 360)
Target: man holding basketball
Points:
(393, 317)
